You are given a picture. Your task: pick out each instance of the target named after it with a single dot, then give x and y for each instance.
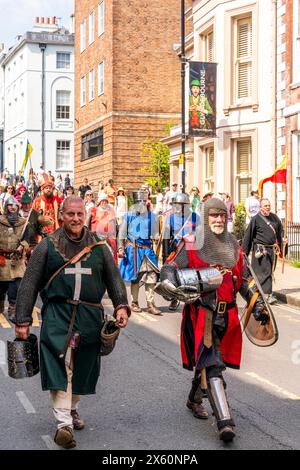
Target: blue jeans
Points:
(11, 288)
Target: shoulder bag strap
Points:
(268, 223)
(75, 259)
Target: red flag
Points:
(278, 177)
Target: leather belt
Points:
(223, 306)
(221, 309)
(138, 246)
(75, 304)
(9, 254)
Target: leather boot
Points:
(226, 434)
(135, 307)
(174, 305)
(11, 312)
(152, 309)
(78, 423)
(64, 437)
(197, 409)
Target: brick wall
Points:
(291, 94)
(142, 84)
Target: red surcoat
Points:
(193, 319)
(49, 206)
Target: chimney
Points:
(53, 19)
(42, 20)
(48, 20)
(37, 20)
(72, 17)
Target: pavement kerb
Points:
(289, 299)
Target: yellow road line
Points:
(3, 322)
(35, 318)
(146, 316)
(276, 388)
(137, 320)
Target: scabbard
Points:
(134, 258)
(208, 329)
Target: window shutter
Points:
(243, 156)
(244, 168)
(210, 47)
(244, 57)
(211, 158)
(209, 168)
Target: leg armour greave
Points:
(218, 401)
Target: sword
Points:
(134, 258)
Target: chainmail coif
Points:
(220, 249)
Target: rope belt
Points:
(75, 304)
(276, 251)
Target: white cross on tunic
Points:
(78, 271)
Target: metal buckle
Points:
(222, 308)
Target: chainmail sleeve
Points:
(32, 282)
(113, 281)
(169, 269)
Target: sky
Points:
(18, 16)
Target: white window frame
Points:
(65, 104)
(67, 63)
(91, 85)
(91, 27)
(296, 177)
(204, 42)
(237, 61)
(83, 91)
(101, 21)
(66, 147)
(83, 35)
(296, 41)
(101, 78)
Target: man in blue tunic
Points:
(180, 222)
(72, 269)
(135, 246)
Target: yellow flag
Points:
(26, 158)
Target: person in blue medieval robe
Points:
(139, 264)
(178, 222)
(72, 269)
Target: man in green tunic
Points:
(72, 313)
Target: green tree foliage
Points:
(156, 157)
(239, 226)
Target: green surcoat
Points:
(56, 315)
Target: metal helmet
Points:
(23, 357)
(11, 200)
(181, 198)
(139, 196)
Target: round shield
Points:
(260, 334)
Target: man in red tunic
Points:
(47, 204)
(206, 274)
